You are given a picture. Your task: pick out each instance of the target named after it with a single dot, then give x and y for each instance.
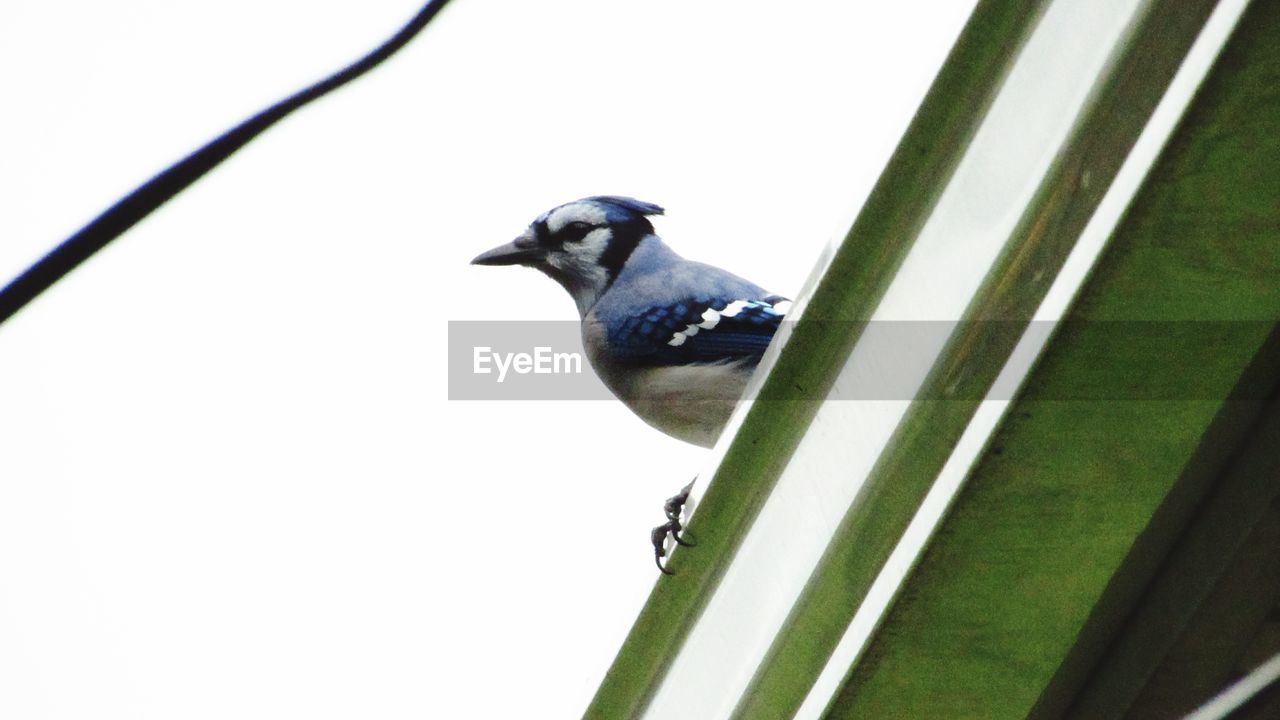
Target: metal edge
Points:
(973, 358)
(1083, 649)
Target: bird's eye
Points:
(575, 231)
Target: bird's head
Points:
(582, 245)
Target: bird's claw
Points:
(672, 527)
(675, 503)
(659, 539)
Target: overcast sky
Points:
(231, 482)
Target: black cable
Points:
(158, 190)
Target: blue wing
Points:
(700, 329)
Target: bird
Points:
(675, 340)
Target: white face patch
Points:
(589, 213)
(581, 261)
(585, 253)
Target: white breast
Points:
(691, 402)
(688, 402)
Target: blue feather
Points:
(638, 207)
(646, 338)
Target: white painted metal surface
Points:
(1234, 697)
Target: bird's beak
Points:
(524, 250)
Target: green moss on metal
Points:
(1071, 508)
(974, 356)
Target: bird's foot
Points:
(672, 528)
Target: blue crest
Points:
(633, 205)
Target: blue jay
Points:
(675, 340)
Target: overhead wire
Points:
(145, 199)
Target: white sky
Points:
(231, 483)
